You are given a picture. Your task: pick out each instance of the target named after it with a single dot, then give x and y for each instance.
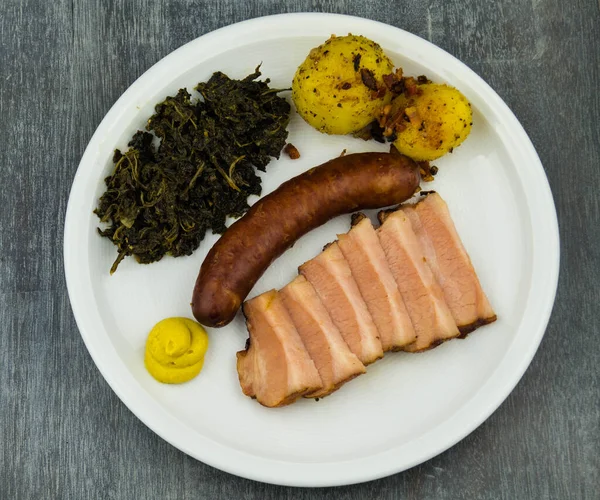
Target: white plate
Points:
(407, 408)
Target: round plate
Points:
(408, 407)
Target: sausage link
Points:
(245, 251)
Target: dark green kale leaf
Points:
(161, 200)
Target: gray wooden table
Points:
(64, 433)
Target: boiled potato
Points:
(333, 88)
(439, 119)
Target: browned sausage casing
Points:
(244, 252)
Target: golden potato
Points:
(439, 119)
(334, 89)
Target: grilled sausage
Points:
(342, 185)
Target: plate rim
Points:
(331, 473)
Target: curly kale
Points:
(162, 199)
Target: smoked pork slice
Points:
(335, 362)
(276, 368)
(366, 258)
(330, 275)
(423, 297)
(450, 263)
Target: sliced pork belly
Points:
(366, 258)
(335, 362)
(276, 369)
(450, 263)
(423, 297)
(330, 275)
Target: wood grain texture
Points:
(64, 433)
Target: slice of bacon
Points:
(276, 368)
(423, 297)
(336, 363)
(366, 258)
(330, 275)
(450, 262)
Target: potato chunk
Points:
(439, 119)
(335, 88)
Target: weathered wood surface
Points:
(64, 433)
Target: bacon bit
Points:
(413, 116)
(394, 82)
(383, 115)
(391, 124)
(368, 79)
(421, 79)
(426, 171)
(291, 151)
(379, 93)
(411, 88)
(395, 129)
(389, 80)
(346, 86)
(398, 87)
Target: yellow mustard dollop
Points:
(175, 350)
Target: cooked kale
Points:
(162, 199)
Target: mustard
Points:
(175, 350)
